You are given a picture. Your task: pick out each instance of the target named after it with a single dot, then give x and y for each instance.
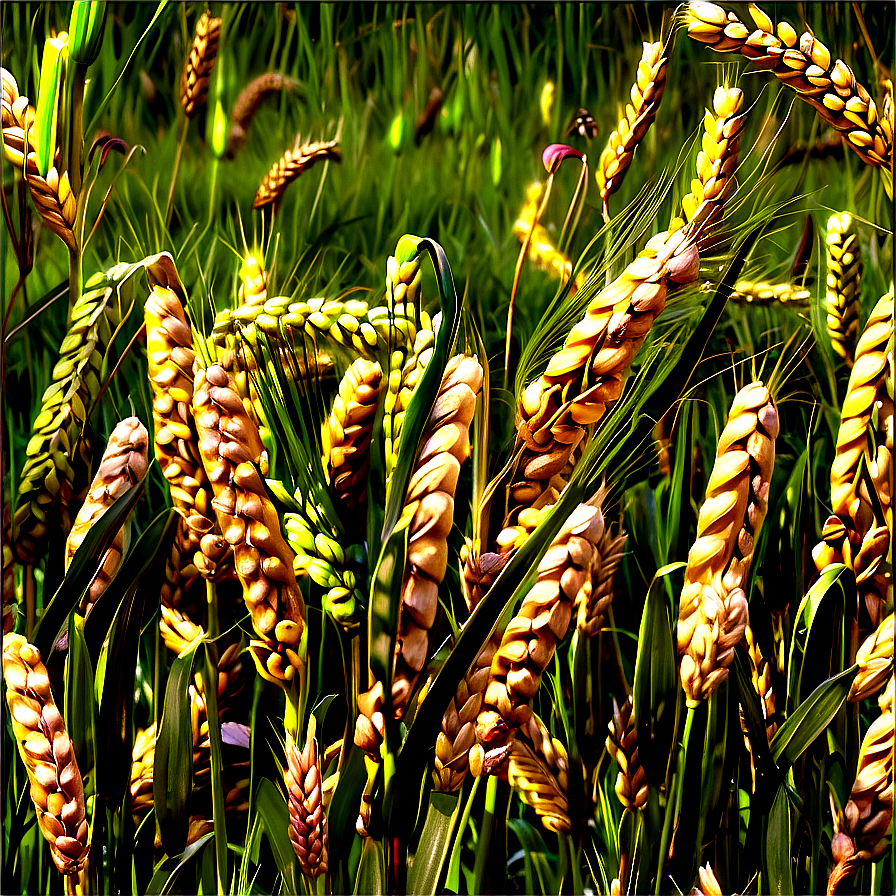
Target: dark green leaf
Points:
(811, 717)
(275, 815)
(372, 870)
(777, 847)
(167, 871)
(80, 700)
(435, 843)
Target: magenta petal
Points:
(556, 153)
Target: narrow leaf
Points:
(271, 805)
(777, 845)
(168, 870)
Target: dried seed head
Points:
(713, 606)
(307, 819)
(291, 165)
(622, 744)
(593, 601)
(248, 102)
(46, 751)
(123, 465)
(197, 72)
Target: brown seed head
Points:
(197, 72)
(622, 744)
(291, 165)
(307, 820)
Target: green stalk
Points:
(180, 151)
(485, 836)
(673, 807)
(76, 124)
(573, 852)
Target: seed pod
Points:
(194, 82)
(46, 751)
(307, 819)
(875, 661)
(713, 606)
(593, 601)
(829, 86)
(844, 276)
(543, 619)
(764, 293)
(646, 94)
(622, 744)
(861, 832)
(58, 458)
(345, 436)
(230, 447)
(291, 165)
(124, 464)
(538, 769)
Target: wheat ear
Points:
(646, 93)
(841, 301)
(861, 832)
(307, 820)
(194, 82)
(538, 769)
(804, 64)
(542, 621)
(248, 102)
(143, 758)
(58, 456)
(52, 195)
(875, 661)
(46, 750)
(230, 446)
(593, 601)
(290, 166)
(762, 292)
(124, 464)
(622, 744)
(713, 614)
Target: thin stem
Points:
(30, 598)
(180, 151)
(74, 277)
(76, 126)
(485, 836)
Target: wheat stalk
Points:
(46, 750)
(543, 618)
(622, 744)
(58, 455)
(713, 608)
(52, 195)
(230, 446)
(861, 831)
(804, 64)
(875, 661)
(307, 820)
(538, 769)
(194, 82)
(841, 301)
(123, 465)
(290, 166)
(763, 292)
(646, 93)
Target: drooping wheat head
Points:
(46, 750)
(292, 164)
(58, 454)
(194, 82)
(230, 447)
(622, 744)
(646, 93)
(841, 301)
(307, 819)
(804, 64)
(123, 465)
(713, 613)
(248, 102)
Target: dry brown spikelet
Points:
(230, 446)
(46, 751)
(291, 165)
(248, 103)
(861, 831)
(307, 819)
(593, 601)
(622, 744)
(194, 82)
(713, 607)
(123, 465)
(541, 622)
(646, 93)
(804, 64)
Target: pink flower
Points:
(556, 153)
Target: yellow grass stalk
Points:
(861, 831)
(713, 613)
(194, 82)
(841, 301)
(538, 769)
(622, 744)
(646, 93)
(542, 621)
(346, 433)
(123, 465)
(290, 166)
(875, 662)
(47, 753)
(57, 455)
(307, 820)
(762, 292)
(230, 445)
(804, 64)
(52, 195)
